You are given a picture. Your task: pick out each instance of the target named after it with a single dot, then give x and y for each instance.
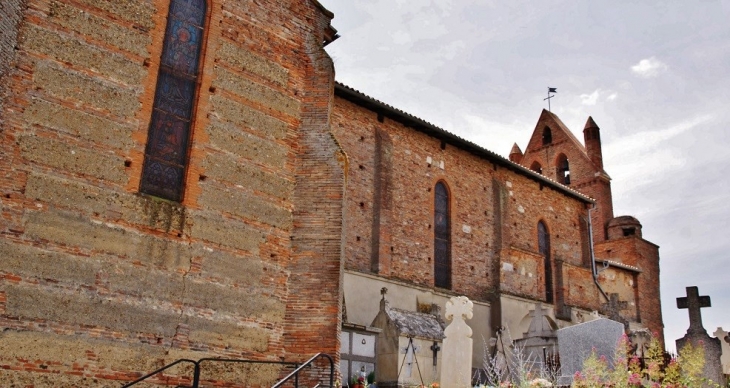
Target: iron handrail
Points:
(307, 363)
(197, 369)
(196, 373)
(170, 365)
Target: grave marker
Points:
(575, 344)
(457, 346)
(697, 335)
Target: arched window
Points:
(543, 246)
(562, 169)
(442, 237)
(166, 153)
(547, 136)
(536, 167)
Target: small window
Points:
(629, 232)
(547, 136)
(536, 167)
(562, 169)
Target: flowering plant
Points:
(683, 371)
(540, 383)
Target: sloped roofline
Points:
(567, 131)
(410, 121)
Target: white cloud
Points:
(593, 98)
(649, 67)
(659, 160)
(590, 99)
(646, 140)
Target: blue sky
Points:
(652, 74)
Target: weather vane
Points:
(550, 90)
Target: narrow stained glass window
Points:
(442, 238)
(166, 153)
(543, 242)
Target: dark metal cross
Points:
(693, 302)
(549, 96)
(435, 347)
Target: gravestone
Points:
(539, 343)
(575, 344)
(724, 338)
(408, 346)
(457, 346)
(697, 335)
(640, 340)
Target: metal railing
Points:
(307, 363)
(197, 369)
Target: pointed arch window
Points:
(166, 153)
(442, 237)
(562, 169)
(547, 136)
(543, 244)
(536, 167)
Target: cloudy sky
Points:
(653, 74)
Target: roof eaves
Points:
(611, 263)
(419, 124)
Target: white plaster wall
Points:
(362, 297)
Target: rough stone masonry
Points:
(100, 283)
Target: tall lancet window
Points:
(442, 238)
(543, 244)
(166, 154)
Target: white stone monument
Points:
(722, 335)
(457, 347)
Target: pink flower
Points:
(635, 378)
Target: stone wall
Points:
(114, 283)
(10, 16)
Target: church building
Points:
(430, 215)
(184, 179)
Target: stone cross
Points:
(724, 348)
(537, 324)
(458, 309)
(410, 351)
(613, 308)
(693, 302)
(457, 346)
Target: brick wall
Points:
(99, 283)
(643, 255)
(10, 16)
(639, 289)
(494, 213)
(585, 176)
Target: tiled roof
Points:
(413, 324)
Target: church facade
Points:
(185, 179)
